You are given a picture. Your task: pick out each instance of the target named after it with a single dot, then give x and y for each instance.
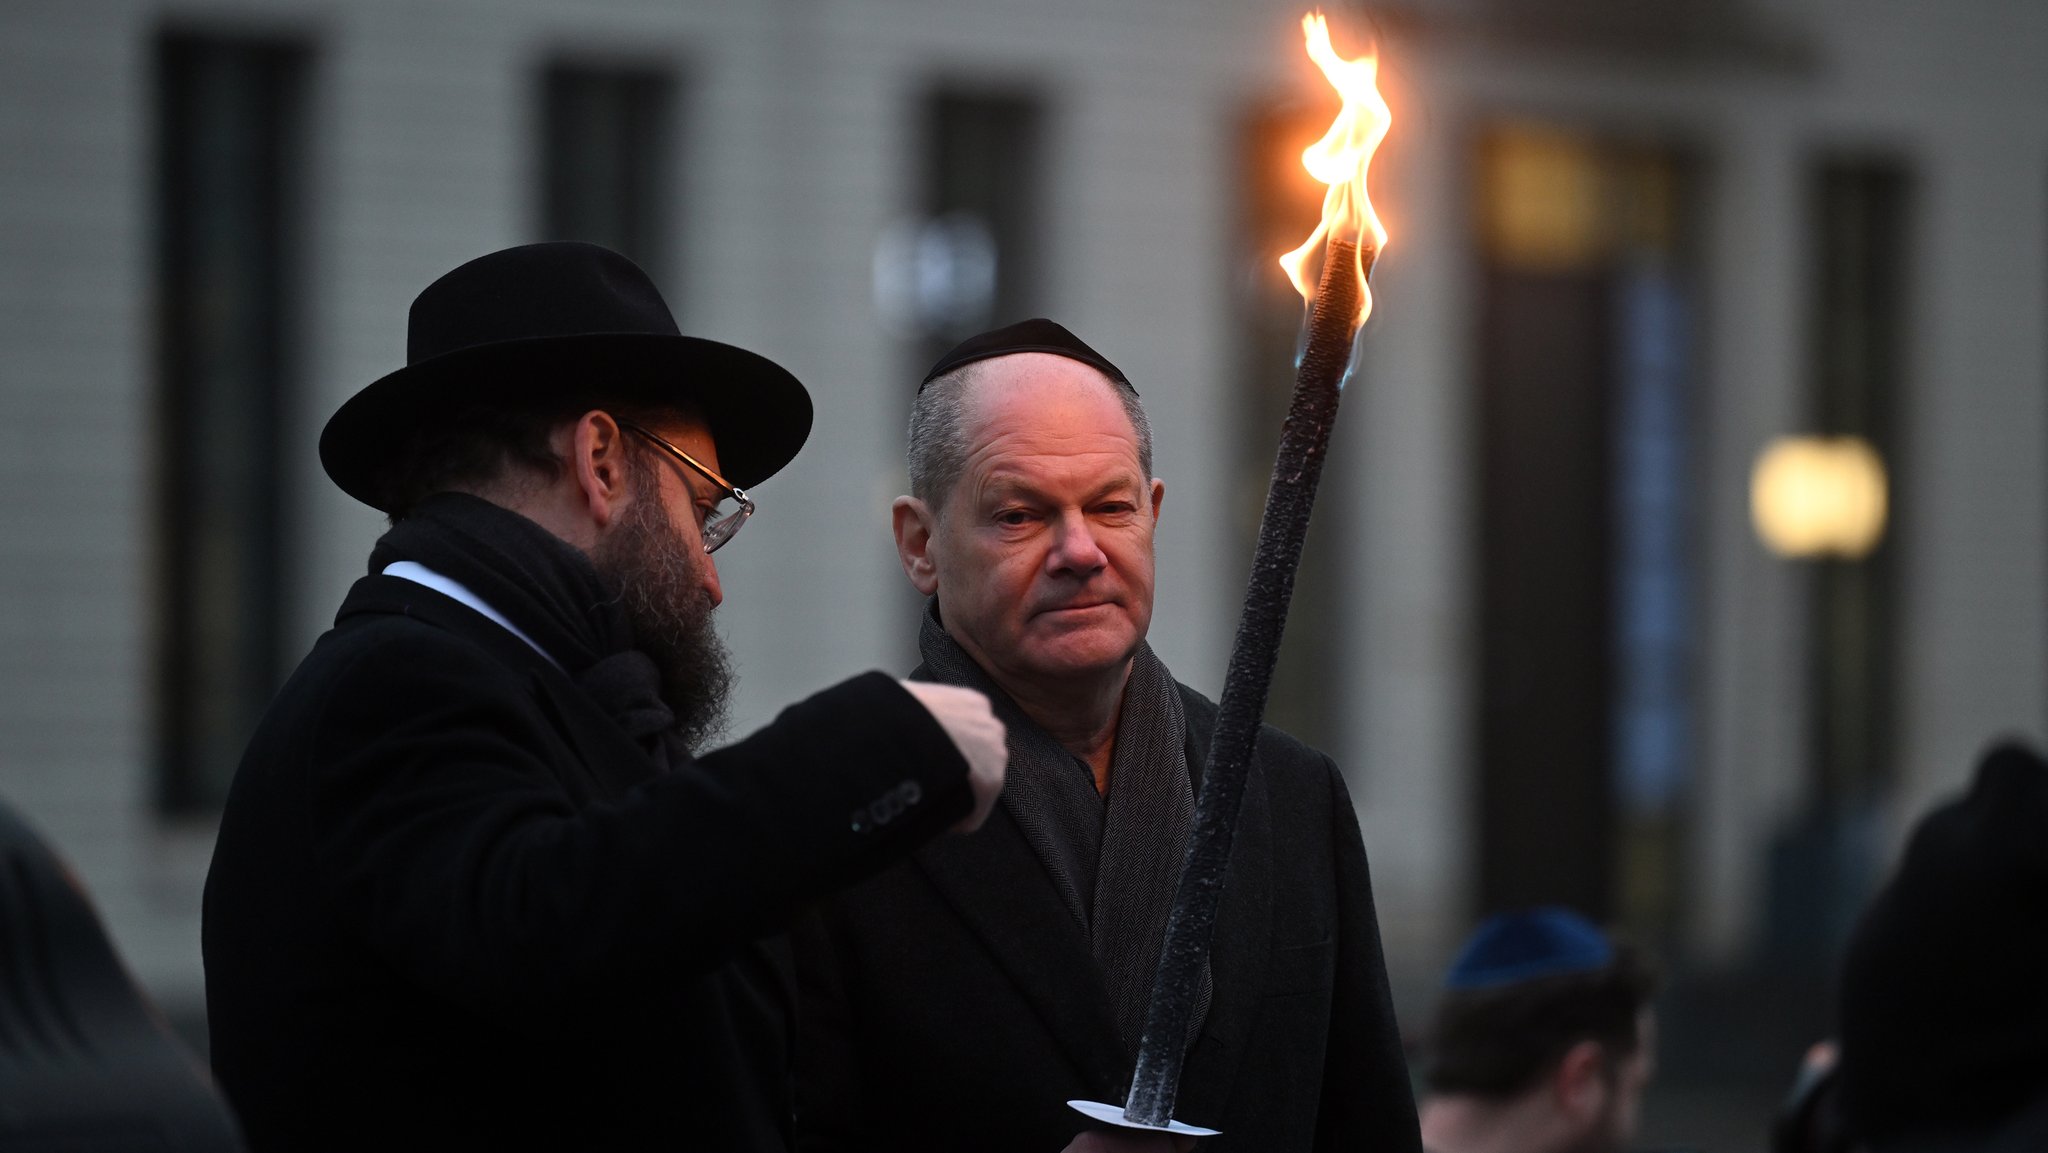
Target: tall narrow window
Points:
(605, 160)
(1585, 599)
(228, 132)
(1823, 863)
(1860, 224)
(966, 258)
(983, 184)
(1651, 731)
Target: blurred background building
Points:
(1635, 244)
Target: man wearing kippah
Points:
(1543, 1042)
(959, 1000)
(476, 887)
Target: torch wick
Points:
(1333, 321)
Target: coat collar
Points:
(380, 595)
(995, 884)
(608, 761)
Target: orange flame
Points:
(1340, 159)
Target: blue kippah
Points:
(1519, 946)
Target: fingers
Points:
(970, 722)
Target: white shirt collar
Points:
(453, 589)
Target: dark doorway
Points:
(1584, 526)
(1544, 815)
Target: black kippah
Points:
(1035, 335)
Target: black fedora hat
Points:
(546, 323)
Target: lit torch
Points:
(1351, 239)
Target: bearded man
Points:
(1002, 976)
(473, 889)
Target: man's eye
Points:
(710, 514)
(1013, 517)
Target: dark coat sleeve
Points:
(831, 1077)
(1366, 1101)
(441, 829)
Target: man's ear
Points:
(597, 459)
(913, 522)
(1158, 498)
(1581, 1082)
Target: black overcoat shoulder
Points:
(452, 905)
(952, 1002)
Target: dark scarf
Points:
(548, 588)
(1115, 860)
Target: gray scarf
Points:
(1114, 860)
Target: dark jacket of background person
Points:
(453, 906)
(953, 1003)
(1945, 986)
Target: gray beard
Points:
(659, 582)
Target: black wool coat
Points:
(952, 1002)
(452, 905)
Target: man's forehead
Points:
(1090, 474)
(1042, 391)
(1037, 469)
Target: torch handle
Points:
(1190, 927)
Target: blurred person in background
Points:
(1810, 1119)
(1944, 1010)
(959, 1000)
(474, 887)
(1543, 1042)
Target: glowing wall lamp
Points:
(1813, 496)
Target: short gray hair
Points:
(938, 434)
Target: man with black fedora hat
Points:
(475, 886)
(1006, 974)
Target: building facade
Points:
(1537, 628)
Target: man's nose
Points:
(1074, 547)
(711, 586)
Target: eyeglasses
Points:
(719, 527)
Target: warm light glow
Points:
(1340, 159)
(1819, 496)
(1545, 206)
